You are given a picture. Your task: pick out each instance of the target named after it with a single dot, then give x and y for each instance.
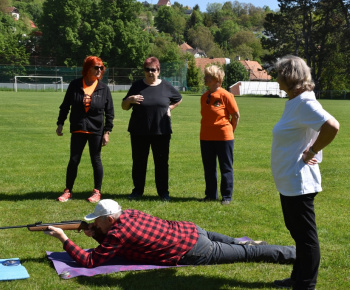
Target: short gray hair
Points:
(295, 73)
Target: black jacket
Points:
(101, 108)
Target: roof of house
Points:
(256, 72)
(203, 62)
(185, 46)
(12, 10)
(163, 2)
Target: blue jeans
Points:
(299, 217)
(215, 248)
(223, 151)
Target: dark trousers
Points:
(299, 217)
(77, 145)
(215, 248)
(140, 145)
(223, 151)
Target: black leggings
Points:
(77, 145)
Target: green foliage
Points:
(33, 166)
(104, 28)
(194, 74)
(171, 21)
(316, 31)
(12, 50)
(235, 72)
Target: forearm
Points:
(126, 104)
(172, 106)
(235, 120)
(328, 132)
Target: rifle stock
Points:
(77, 225)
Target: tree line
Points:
(124, 32)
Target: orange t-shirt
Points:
(216, 111)
(88, 91)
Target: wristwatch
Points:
(312, 151)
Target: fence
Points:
(117, 78)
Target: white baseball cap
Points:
(104, 207)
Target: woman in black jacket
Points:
(91, 120)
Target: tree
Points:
(63, 22)
(108, 29)
(194, 74)
(310, 29)
(171, 21)
(235, 72)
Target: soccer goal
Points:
(54, 85)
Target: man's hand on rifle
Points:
(57, 233)
(91, 231)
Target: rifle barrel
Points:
(13, 227)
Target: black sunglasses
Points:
(147, 69)
(96, 67)
(10, 263)
(208, 99)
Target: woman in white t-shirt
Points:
(304, 129)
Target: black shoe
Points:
(285, 283)
(165, 198)
(207, 198)
(134, 196)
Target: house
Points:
(256, 72)
(196, 52)
(14, 12)
(257, 88)
(164, 3)
(202, 63)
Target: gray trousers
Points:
(215, 248)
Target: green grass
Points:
(32, 174)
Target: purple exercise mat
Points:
(67, 268)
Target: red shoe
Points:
(67, 195)
(95, 197)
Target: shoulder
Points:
(77, 82)
(102, 85)
(225, 93)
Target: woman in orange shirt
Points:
(220, 117)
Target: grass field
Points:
(32, 175)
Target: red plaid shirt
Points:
(139, 237)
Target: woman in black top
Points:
(151, 100)
(91, 120)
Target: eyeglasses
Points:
(96, 67)
(10, 263)
(208, 99)
(147, 69)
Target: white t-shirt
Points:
(295, 132)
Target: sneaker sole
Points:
(63, 200)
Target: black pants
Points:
(299, 217)
(140, 145)
(77, 145)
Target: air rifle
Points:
(77, 225)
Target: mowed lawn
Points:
(32, 175)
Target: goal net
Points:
(32, 81)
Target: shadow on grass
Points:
(167, 279)
(83, 196)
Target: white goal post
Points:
(48, 77)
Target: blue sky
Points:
(273, 4)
